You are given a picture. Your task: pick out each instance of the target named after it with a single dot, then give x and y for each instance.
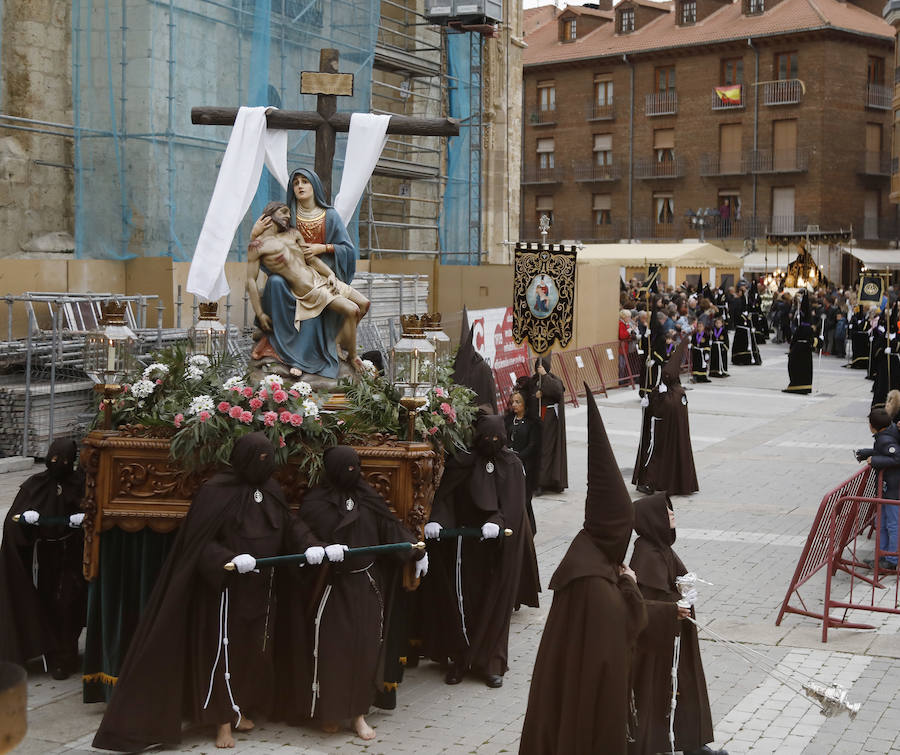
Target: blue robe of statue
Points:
(312, 348)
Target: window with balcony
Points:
(664, 209)
(569, 30)
(602, 206)
(602, 149)
(602, 106)
(730, 142)
(729, 213)
(688, 13)
(729, 94)
(664, 145)
(664, 76)
(875, 70)
(878, 96)
(755, 7)
(626, 20)
(545, 150)
(546, 103)
(731, 71)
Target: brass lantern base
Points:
(109, 391)
(411, 404)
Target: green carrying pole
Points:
(369, 550)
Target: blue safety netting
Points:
(143, 173)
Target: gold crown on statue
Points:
(209, 310)
(432, 321)
(412, 325)
(113, 313)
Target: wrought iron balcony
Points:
(780, 160)
(649, 228)
(661, 103)
(723, 164)
(543, 117)
(875, 163)
(646, 168)
(719, 104)
(535, 175)
(593, 172)
(590, 232)
(597, 112)
(782, 92)
(879, 97)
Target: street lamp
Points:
(703, 218)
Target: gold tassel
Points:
(388, 686)
(100, 677)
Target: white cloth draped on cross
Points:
(250, 146)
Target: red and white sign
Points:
(493, 337)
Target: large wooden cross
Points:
(327, 84)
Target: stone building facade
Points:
(774, 113)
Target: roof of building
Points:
(535, 17)
(723, 25)
(580, 10)
(686, 254)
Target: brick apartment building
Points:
(775, 112)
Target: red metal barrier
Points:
(845, 515)
(505, 380)
(579, 367)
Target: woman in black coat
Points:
(524, 434)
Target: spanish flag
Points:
(729, 95)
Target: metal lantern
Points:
(413, 359)
(437, 337)
(208, 336)
(109, 351)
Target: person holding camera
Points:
(884, 457)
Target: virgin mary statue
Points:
(312, 349)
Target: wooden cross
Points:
(327, 84)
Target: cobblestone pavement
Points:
(764, 459)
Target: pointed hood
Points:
(464, 327)
(805, 312)
(672, 368)
(470, 370)
(547, 361)
(608, 511)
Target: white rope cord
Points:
(459, 595)
(315, 682)
(676, 658)
(223, 644)
(653, 421)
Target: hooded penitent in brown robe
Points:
(579, 703)
(178, 663)
(665, 460)
(351, 612)
(42, 609)
(656, 566)
(473, 585)
(551, 409)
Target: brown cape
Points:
(553, 463)
(579, 698)
(656, 566)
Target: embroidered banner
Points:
(544, 295)
(871, 290)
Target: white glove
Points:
(663, 388)
(314, 555)
(75, 521)
(489, 530)
(433, 530)
(244, 563)
(422, 566)
(887, 350)
(335, 552)
(31, 516)
(645, 402)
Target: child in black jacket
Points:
(884, 457)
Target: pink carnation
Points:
(158, 381)
(432, 430)
(263, 394)
(285, 417)
(235, 412)
(125, 387)
(235, 388)
(224, 406)
(340, 422)
(204, 415)
(293, 394)
(446, 408)
(247, 391)
(246, 417)
(296, 420)
(269, 418)
(439, 392)
(280, 396)
(179, 418)
(255, 403)
(281, 443)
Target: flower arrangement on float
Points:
(204, 405)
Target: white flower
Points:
(369, 366)
(200, 404)
(199, 360)
(236, 381)
(142, 388)
(302, 387)
(271, 382)
(156, 367)
(193, 373)
(310, 409)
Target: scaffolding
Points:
(144, 174)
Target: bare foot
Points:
(362, 729)
(330, 728)
(245, 725)
(223, 737)
(357, 365)
(296, 372)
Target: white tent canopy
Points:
(876, 259)
(686, 254)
